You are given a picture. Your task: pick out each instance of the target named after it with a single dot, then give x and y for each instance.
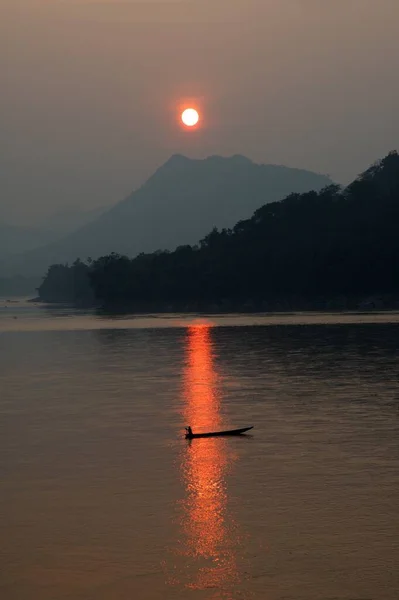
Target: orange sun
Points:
(190, 117)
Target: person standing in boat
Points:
(189, 430)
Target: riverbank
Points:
(279, 304)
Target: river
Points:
(102, 498)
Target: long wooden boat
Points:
(190, 435)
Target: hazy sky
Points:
(90, 90)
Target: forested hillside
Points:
(300, 252)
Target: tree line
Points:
(298, 252)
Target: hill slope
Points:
(19, 239)
(14, 238)
(178, 205)
(333, 248)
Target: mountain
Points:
(335, 249)
(66, 221)
(178, 205)
(15, 238)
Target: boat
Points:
(190, 435)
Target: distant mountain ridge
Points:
(17, 239)
(65, 221)
(179, 204)
(333, 249)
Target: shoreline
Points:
(367, 303)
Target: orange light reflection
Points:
(209, 538)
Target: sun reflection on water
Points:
(210, 543)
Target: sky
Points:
(91, 91)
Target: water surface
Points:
(102, 498)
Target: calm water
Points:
(102, 498)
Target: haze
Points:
(90, 91)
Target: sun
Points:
(190, 117)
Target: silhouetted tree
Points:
(307, 247)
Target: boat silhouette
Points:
(191, 435)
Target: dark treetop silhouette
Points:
(179, 204)
(299, 252)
